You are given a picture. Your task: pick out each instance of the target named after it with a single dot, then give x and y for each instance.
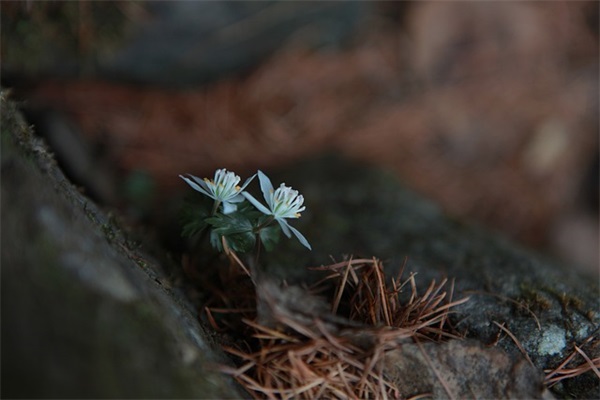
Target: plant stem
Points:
(265, 224)
(215, 207)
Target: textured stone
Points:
(84, 313)
(462, 370)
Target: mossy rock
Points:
(354, 210)
(84, 314)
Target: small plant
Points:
(233, 223)
(289, 343)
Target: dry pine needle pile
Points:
(337, 353)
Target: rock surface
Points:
(353, 210)
(84, 314)
(467, 369)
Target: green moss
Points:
(569, 302)
(533, 298)
(108, 231)
(540, 299)
(90, 214)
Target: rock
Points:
(354, 210)
(463, 370)
(85, 313)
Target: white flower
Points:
(223, 189)
(282, 203)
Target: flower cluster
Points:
(283, 203)
(240, 225)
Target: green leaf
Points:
(192, 217)
(265, 220)
(241, 242)
(236, 228)
(215, 241)
(230, 224)
(269, 236)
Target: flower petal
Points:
(256, 203)
(198, 185)
(267, 188)
(285, 227)
(298, 235)
(247, 182)
(236, 199)
(228, 208)
(301, 238)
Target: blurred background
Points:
(488, 108)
